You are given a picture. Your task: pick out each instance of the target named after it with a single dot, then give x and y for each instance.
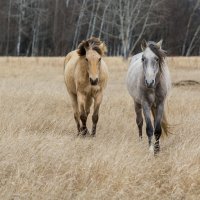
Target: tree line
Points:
(55, 27)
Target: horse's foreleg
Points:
(83, 114)
(76, 112)
(149, 127)
(88, 105)
(95, 116)
(157, 126)
(139, 118)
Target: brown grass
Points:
(42, 158)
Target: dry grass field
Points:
(41, 156)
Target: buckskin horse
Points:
(86, 76)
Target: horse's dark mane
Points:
(92, 43)
(157, 51)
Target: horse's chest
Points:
(154, 97)
(150, 97)
(92, 90)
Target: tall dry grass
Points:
(42, 158)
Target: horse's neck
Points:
(83, 69)
(103, 71)
(164, 81)
(165, 73)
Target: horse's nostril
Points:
(94, 82)
(149, 84)
(97, 80)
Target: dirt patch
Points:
(186, 83)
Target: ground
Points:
(41, 156)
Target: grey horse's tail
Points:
(165, 125)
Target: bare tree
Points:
(8, 27)
(188, 29)
(19, 4)
(192, 42)
(78, 25)
(54, 27)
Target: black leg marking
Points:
(95, 118)
(157, 133)
(77, 122)
(84, 129)
(149, 130)
(157, 126)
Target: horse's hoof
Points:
(151, 148)
(156, 148)
(140, 138)
(84, 131)
(93, 131)
(156, 151)
(93, 135)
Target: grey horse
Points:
(148, 82)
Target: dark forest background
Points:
(54, 27)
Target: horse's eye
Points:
(157, 59)
(86, 59)
(99, 59)
(143, 59)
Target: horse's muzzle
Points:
(94, 82)
(150, 84)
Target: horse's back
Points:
(133, 75)
(166, 79)
(70, 63)
(71, 59)
(136, 58)
(103, 74)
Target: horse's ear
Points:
(143, 44)
(159, 44)
(103, 48)
(82, 48)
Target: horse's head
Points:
(92, 50)
(152, 60)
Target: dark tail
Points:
(165, 125)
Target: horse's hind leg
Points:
(76, 112)
(139, 118)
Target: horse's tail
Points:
(165, 125)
